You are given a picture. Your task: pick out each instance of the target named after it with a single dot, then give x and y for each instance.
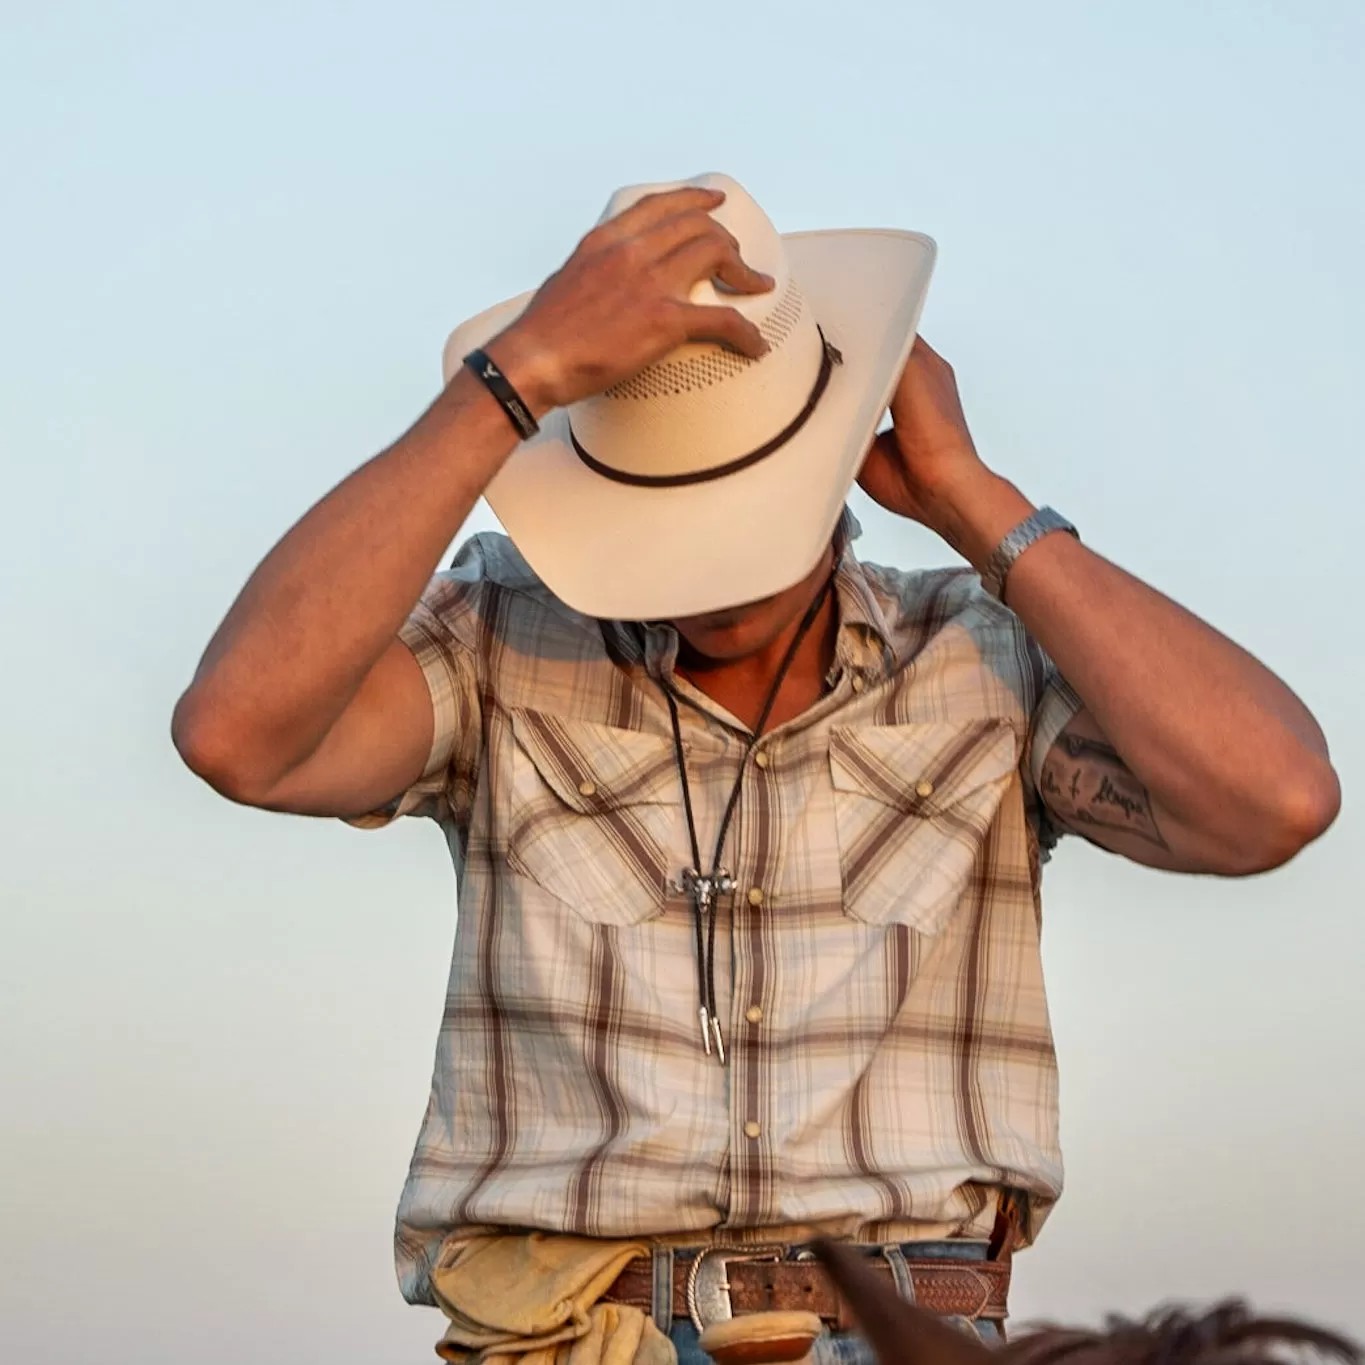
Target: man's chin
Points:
(717, 624)
(721, 651)
(725, 621)
(734, 633)
(713, 641)
(726, 641)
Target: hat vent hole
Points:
(672, 377)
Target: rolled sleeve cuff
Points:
(428, 795)
(1059, 704)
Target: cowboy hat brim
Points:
(619, 551)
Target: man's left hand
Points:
(917, 467)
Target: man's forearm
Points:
(1214, 736)
(327, 601)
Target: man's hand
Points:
(919, 467)
(621, 301)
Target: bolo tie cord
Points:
(704, 887)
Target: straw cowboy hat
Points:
(709, 479)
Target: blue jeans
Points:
(848, 1348)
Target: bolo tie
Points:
(703, 888)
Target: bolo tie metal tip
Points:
(705, 1029)
(720, 1041)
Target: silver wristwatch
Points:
(1043, 522)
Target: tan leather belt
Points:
(720, 1283)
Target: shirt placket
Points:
(743, 982)
(753, 954)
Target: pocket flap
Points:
(595, 768)
(595, 815)
(914, 804)
(921, 769)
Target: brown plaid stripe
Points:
(891, 1059)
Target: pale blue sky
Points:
(234, 240)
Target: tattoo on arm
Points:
(1086, 785)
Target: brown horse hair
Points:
(1226, 1334)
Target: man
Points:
(748, 834)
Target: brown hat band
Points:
(829, 358)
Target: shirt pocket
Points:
(913, 805)
(595, 815)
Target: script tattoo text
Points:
(1088, 787)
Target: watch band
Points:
(1042, 523)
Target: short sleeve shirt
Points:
(890, 1061)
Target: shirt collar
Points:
(864, 640)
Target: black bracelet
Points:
(496, 383)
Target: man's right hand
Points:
(622, 301)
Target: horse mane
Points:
(1227, 1334)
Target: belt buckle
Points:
(708, 1289)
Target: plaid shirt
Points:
(891, 1064)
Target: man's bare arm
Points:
(1190, 753)
(305, 700)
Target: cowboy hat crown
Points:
(709, 479)
(703, 409)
